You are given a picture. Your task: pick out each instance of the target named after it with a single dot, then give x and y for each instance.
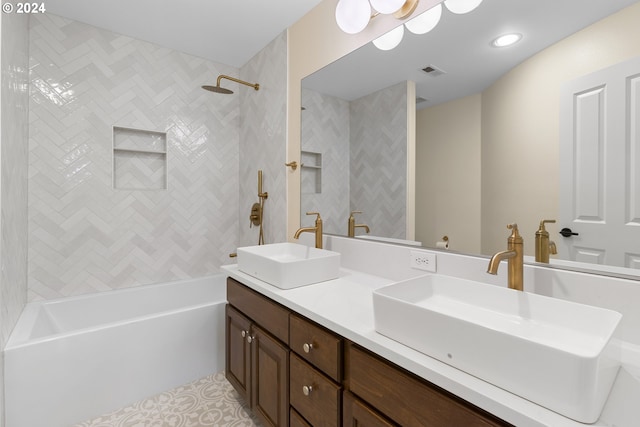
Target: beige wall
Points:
(520, 119)
(448, 174)
(316, 41)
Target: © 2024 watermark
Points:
(22, 8)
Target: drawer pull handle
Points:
(307, 389)
(307, 347)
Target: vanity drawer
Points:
(270, 315)
(407, 399)
(357, 414)
(316, 345)
(319, 405)
(296, 420)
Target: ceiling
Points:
(229, 32)
(461, 46)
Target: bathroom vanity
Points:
(296, 372)
(318, 346)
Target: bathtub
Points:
(72, 359)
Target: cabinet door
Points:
(270, 385)
(356, 414)
(237, 355)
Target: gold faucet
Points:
(353, 225)
(317, 229)
(515, 255)
(544, 246)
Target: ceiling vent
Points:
(433, 71)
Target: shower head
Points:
(219, 89)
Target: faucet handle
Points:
(546, 221)
(315, 213)
(515, 236)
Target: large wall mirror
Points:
(487, 126)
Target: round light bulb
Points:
(353, 16)
(426, 21)
(387, 6)
(462, 6)
(391, 39)
(507, 40)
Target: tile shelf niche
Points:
(139, 159)
(311, 170)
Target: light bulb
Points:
(507, 40)
(462, 6)
(353, 16)
(391, 39)
(426, 21)
(387, 6)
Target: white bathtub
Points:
(72, 359)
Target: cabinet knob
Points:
(244, 334)
(307, 389)
(250, 339)
(307, 347)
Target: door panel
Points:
(600, 167)
(270, 388)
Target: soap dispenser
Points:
(544, 246)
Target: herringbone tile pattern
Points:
(84, 235)
(325, 130)
(379, 160)
(263, 141)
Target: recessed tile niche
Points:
(311, 172)
(139, 159)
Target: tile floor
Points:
(210, 401)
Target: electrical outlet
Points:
(423, 261)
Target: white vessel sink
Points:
(555, 353)
(289, 265)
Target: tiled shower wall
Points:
(86, 236)
(325, 130)
(364, 164)
(14, 64)
(379, 160)
(263, 141)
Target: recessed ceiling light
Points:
(506, 40)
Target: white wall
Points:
(14, 62)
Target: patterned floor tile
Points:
(209, 401)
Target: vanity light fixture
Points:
(426, 21)
(390, 39)
(421, 24)
(506, 40)
(461, 6)
(353, 16)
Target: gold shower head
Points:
(219, 89)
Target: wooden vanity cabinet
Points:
(294, 372)
(356, 413)
(257, 362)
(407, 399)
(315, 372)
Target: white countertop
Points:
(345, 306)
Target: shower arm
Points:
(222, 76)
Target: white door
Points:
(600, 167)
